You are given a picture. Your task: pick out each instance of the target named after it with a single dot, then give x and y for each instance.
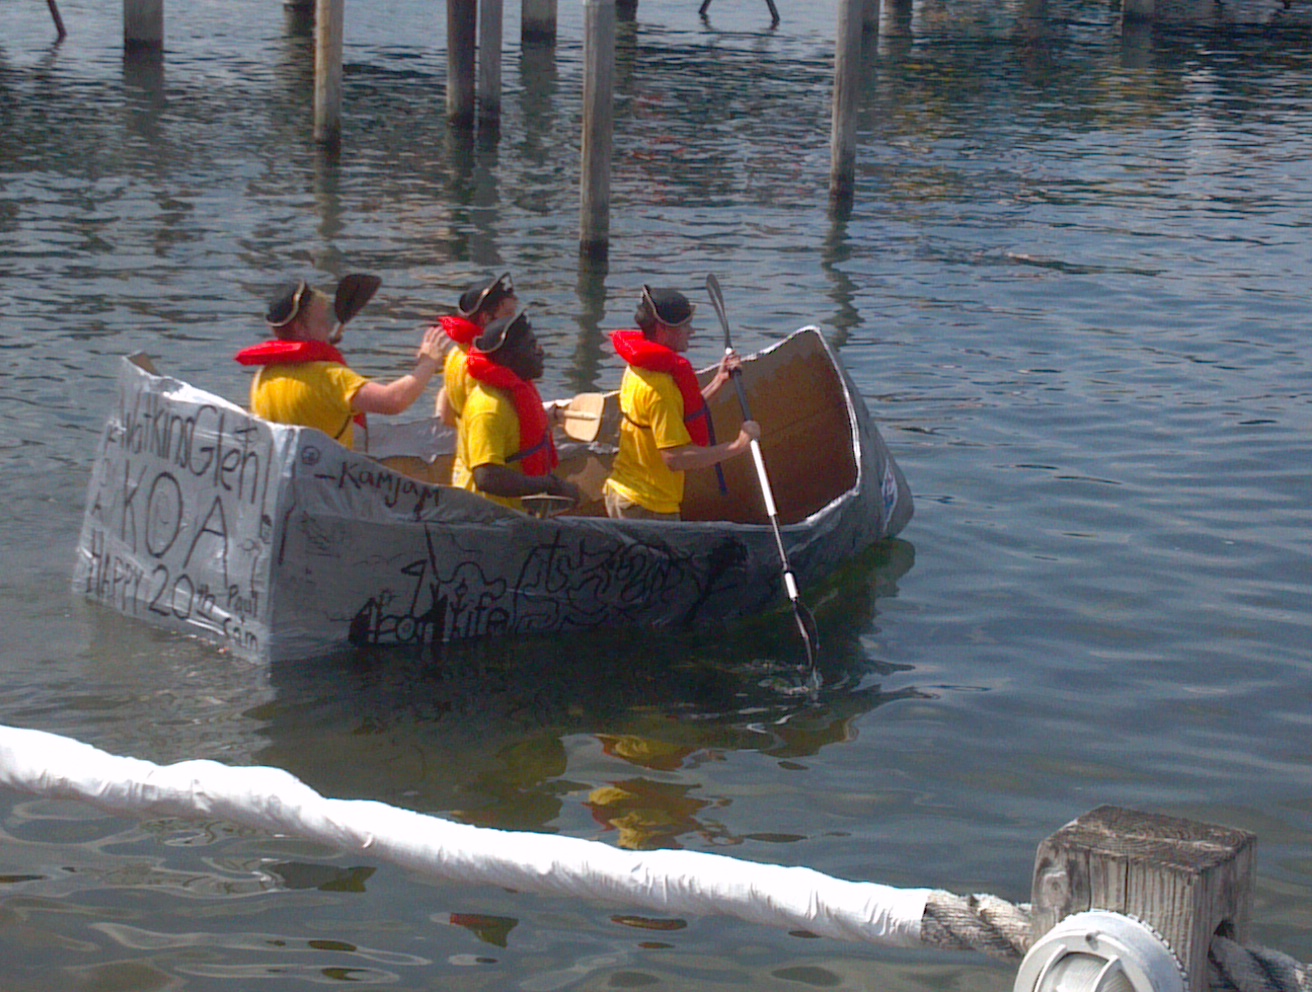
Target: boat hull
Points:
(275, 542)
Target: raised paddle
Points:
(581, 416)
(353, 292)
(805, 621)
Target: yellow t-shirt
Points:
(653, 420)
(489, 435)
(456, 379)
(309, 394)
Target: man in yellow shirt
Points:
(665, 431)
(483, 302)
(304, 380)
(505, 432)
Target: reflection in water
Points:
(525, 734)
(328, 203)
(648, 814)
(843, 291)
(592, 348)
(489, 929)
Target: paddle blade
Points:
(353, 292)
(717, 301)
(582, 416)
(810, 634)
(544, 505)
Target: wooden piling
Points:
(1138, 10)
(328, 35)
(143, 25)
(461, 31)
(489, 61)
(847, 100)
(598, 126)
(59, 21)
(774, 11)
(537, 23)
(870, 17)
(299, 17)
(1187, 880)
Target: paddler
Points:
(505, 431)
(486, 300)
(665, 430)
(304, 380)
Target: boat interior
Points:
(795, 393)
(807, 443)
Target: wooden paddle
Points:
(543, 505)
(805, 621)
(582, 416)
(353, 292)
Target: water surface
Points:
(1072, 288)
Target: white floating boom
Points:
(675, 882)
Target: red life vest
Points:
(278, 352)
(461, 330)
(641, 353)
(537, 448)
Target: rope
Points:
(1231, 967)
(1001, 930)
(982, 923)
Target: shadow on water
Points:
(524, 733)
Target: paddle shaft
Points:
(767, 493)
(800, 611)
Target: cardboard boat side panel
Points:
(180, 513)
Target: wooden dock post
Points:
(299, 17)
(1187, 880)
(461, 32)
(1138, 10)
(847, 94)
(537, 24)
(59, 21)
(598, 126)
(143, 25)
(328, 34)
(489, 61)
(870, 17)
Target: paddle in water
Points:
(805, 621)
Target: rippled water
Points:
(1072, 287)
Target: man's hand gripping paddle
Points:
(805, 621)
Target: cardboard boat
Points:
(276, 542)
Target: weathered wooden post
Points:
(328, 32)
(1138, 10)
(461, 30)
(299, 16)
(143, 25)
(489, 61)
(847, 93)
(59, 21)
(598, 126)
(870, 16)
(537, 24)
(1186, 880)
